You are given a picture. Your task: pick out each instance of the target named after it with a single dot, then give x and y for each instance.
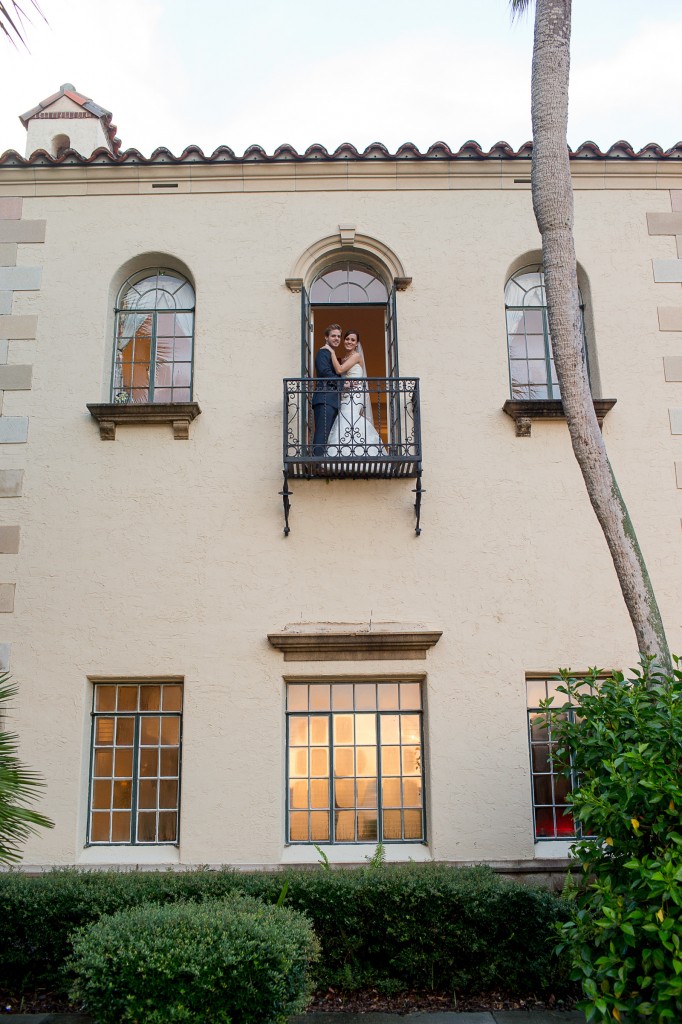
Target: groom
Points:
(325, 399)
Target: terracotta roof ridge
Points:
(470, 150)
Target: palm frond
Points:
(519, 7)
(12, 18)
(19, 786)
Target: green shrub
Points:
(415, 925)
(232, 962)
(625, 935)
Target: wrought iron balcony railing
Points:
(376, 433)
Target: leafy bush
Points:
(232, 962)
(625, 935)
(417, 925)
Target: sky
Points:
(242, 72)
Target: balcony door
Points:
(353, 295)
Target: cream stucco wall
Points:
(151, 557)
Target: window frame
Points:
(131, 282)
(136, 746)
(551, 681)
(548, 383)
(377, 712)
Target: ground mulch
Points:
(332, 1000)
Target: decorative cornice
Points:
(406, 644)
(439, 151)
(178, 414)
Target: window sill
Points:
(178, 414)
(523, 411)
(303, 854)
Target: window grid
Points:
(355, 763)
(154, 351)
(532, 373)
(135, 764)
(552, 816)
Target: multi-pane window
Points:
(348, 283)
(153, 348)
(531, 363)
(135, 766)
(355, 763)
(552, 814)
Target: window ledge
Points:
(524, 410)
(178, 414)
(355, 644)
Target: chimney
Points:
(68, 120)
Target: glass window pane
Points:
(172, 697)
(342, 696)
(169, 760)
(99, 828)
(367, 793)
(147, 793)
(390, 760)
(120, 827)
(538, 728)
(388, 696)
(168, 793)
(298, 731)
(150, 698)
(168, 826)
(410, 697)
(149, 761)
(105, 698)
(392, 825)
(298, 793)
(390, 729)
(344, 762)
(344, 793)
(365, 696)
(101, 795)
(319, 826)
(413, 824)
(542, 789)
(365, 729)
(298, 827)
(390, 792)
(544, 822)
(170, 731)
(123, 763)
(540, 757)
(519, 371)
(366, 761)
(319, 698)
(409, 729)
(319, 731)
(412, 792)
(123, 794)
(149, 731)
(536, 690)
(412, 761)
(298, 762)
(104, 732)
(319, 793)
(536, 346)
(537, 371)
(104, 762)
(297, 698)
(562, 787)
(319, 762)
(344, 826)
(125, 731)
(367, 827)
(146, 827)
(533, 321)
(127, 698)
(343, 729)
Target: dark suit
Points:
(325, 399)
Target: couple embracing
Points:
(344, 424)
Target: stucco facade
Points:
(145, 558)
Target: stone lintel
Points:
(368, 644)
(178, 414)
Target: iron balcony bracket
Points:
(285, 492)
(418, 491)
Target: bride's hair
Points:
(346, 334)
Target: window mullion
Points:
(380, 813)
(152, 359)
(135, 781)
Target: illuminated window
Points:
(153, 348)
(531, 363)
(355, 763)
(135, 766)
(551, 812)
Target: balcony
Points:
(376, 435)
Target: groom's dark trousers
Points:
(325, 400)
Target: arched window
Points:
(60, 144)
(531, 364)
(153, 347)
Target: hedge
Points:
(416, 925)
(235, 961)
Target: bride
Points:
(353, 433)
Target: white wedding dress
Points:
(353, 434)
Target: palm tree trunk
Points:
(552, 193)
